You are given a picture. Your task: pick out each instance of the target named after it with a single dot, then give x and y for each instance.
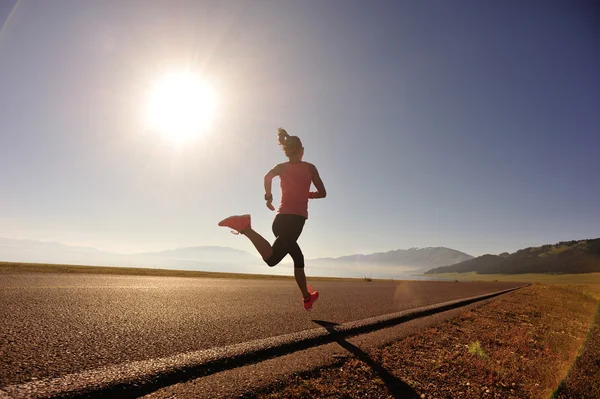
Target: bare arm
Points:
(269, 178)
(316, 179)
(268, 183)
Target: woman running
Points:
(295, 179)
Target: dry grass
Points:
(583, 278)
(518, 346)
(582, 381)
(15, 267)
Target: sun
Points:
(181, 106)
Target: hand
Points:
(270, 205)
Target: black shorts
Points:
(287, 229)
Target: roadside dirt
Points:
(519, 346)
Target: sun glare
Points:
(181, 106)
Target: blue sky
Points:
(467, 124)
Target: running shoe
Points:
(308, 303)
(237, 223)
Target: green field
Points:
(584, 278)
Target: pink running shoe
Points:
(314, 295)
(237, 223)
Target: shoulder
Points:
(277, 169)
(310, 166)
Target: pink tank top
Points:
(295, 180)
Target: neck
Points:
(295, 159)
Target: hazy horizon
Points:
(203, 246)
(467, 125)
(211, 259)
(252, 252)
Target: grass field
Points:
(586, 278)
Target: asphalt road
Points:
(55, 324)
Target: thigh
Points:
(288, 227)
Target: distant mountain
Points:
(190, 258)
(415, 258)
(31, 244)
(13, 250)
(204, 253)
(581, 256)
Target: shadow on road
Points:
(397, 387)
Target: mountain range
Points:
(413, 258)
(582, 256)
(212, 258)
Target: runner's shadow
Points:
(397, 387)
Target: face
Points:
(301, 153)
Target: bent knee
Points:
(271, 262)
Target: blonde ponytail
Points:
(282, 136)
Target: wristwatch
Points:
(268, 197)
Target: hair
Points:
(291, 144)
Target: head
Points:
(292, 146)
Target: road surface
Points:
(55, 324)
